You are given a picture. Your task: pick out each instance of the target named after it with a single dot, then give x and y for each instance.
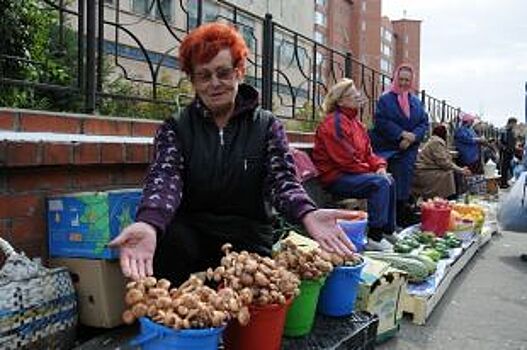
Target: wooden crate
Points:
(421, 307)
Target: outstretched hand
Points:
(137, 244)
(322, 225)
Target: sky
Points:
(473, 53)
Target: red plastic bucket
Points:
(435, 219)
(264, 331)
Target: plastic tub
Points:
(356, 232)
(154, 336)
(301, 315)
(339, 293)
(264, 331)
(436, 220)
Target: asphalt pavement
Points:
(485, 307)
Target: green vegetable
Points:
(417, 271)
(426, 237)
(412, 242)
(430, 264)
(432, 254)
(402, 248)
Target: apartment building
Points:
(358, 27)
(408, 45)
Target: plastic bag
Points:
(513, 212)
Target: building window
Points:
(285, 52)
(320, 18)
(149, 7)
(363, 8)
(140, 6)
(387, 35)
(320, 2)
(363, 26)
(406, 53)
(210, 12)
(165, 6)
(108, 2)
(246, 26)
(386, 49)
(406, 39)
(319, 37)
(384, 65)
(319, 59)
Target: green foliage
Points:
(174, 97)
(29, 31)
(305, 121)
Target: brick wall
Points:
(31, 170)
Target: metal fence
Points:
(126, 55)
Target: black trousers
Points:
(505, 167)
(190, 245)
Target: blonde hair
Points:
(335, 93)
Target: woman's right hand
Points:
(404, 144)
(466, 171)
(137, 244)
(410, 136)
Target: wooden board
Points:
(421, 307)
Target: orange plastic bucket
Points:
(264, 331)
(436, 220)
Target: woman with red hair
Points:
(400, 124)
(218, 167)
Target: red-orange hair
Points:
(202, 44)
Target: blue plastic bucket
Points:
(154, 336)
(339, 293)
(356, 232)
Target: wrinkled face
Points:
(351, 98)
(405, 78)
(216, 82)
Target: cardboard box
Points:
(380, 292)
(100, 288)
(81, 224)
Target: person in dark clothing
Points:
(489, 152)
(507, 147)
(218, 167)
(400, 125)
(468, 144)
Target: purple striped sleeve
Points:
(286, 193)
(163, 185)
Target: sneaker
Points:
(383, 245)
(393, 239)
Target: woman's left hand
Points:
(322, 225)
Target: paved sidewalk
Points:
(485, 307)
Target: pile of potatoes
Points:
(260, 279)
(192, 305)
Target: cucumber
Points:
(430, 264)
(417, 271)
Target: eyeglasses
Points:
(223, 74)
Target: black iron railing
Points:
(126, 56)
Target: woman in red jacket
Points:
(347, 165)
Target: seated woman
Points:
(434, 169)
(347, 165)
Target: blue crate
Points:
(80, 225)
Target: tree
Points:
(29, 52)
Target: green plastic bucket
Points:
(301, 315)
